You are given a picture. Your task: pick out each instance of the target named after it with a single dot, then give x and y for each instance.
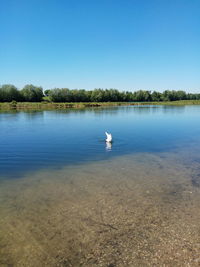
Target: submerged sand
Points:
(135, 210)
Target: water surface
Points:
(76, 202)
(45, 139)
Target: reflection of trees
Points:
(173, 109)
(97, 111)
(127, 110)
(146, 109)
(114, 111)
(33, 114)
(16, 115)
(9, 115)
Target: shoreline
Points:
(5, 106)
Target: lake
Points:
(69, 199)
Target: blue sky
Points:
(124, 44)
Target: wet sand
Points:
(135, 210)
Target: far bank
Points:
(51, 105)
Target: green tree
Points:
(142, 95)
(61, 95)
(31, 93)
(97, 95)
(156, 96)
(8, 93)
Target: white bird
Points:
(108, 137)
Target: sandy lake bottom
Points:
(131, 210)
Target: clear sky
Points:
(123, 44)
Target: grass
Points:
(51, 106)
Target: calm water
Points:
(66, 199)
(50, 139)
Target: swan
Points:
(108, 137)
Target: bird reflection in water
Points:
(108, 146)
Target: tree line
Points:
(31, 93)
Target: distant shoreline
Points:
(54, 106)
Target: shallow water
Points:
(77, 203)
